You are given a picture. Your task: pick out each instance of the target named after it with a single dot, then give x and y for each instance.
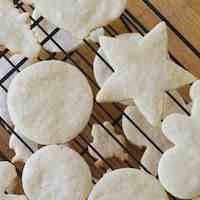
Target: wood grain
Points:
(185, 16)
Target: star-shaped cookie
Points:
(148, 72)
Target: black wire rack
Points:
(78, 58)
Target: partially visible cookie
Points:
(8, 177)
(151, 155)
(22, 153)
(50, 102)
(179, 166)
(56, 172)
(105, 143)
(80, 17)
(16, 34)
(128, 184)
(64, 38)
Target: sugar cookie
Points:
(16, 34)
(179, 167)
(128, 184)
(56, 172)
(80, 17)
(22, 153)
(8, 177)
(50, 102)
(145, 85)
(105, 144)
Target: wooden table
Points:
(184, 15)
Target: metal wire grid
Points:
(131, 23)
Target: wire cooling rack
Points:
(112, 112)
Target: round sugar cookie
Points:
(128, 184)
(56, 172)
(50, 102)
